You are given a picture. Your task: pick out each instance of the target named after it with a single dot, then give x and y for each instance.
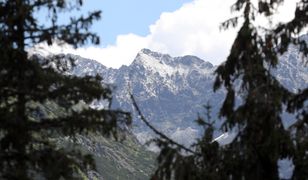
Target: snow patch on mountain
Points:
(166, 66)
(181, 135)
(225, 138)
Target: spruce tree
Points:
(27, 139)
(262, 139)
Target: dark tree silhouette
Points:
(261, 140)
(27, 139)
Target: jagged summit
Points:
(164, 64)
(188, 60)
(154, 54)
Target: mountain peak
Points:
(149, 57)
(189, 60)
(166, 65)
(154, 54)
(146, 51)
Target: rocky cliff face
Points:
(172, 91)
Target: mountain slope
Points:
(121, 160)
(171, 91)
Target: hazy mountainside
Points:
(171, 91)
(117, 160)
(120, 160)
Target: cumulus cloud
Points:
(192, 29)
(122, 53)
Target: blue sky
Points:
(122, 16)
(175, 27)
(128, 16)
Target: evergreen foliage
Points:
(27, 137)
(262, 139)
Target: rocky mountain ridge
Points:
(172, 91)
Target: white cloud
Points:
(193, 29)
(123, 52)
